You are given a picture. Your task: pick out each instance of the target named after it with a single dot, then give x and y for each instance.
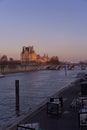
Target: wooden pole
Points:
(65, 68)
(17, 94)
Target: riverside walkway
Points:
(68, 119)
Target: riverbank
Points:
(14, 68)
(17, 68)
(39, 114)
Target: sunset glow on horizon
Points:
(53, 27)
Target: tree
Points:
(4, 58)
(54, 60)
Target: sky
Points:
(53, 27)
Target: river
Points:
(35, 87)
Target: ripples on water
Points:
(35, 87)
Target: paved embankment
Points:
(67, 121)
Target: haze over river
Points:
(35, 87)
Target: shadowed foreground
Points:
(69, 118)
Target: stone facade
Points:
(28, 54)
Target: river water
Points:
(35, 87)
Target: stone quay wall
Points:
(19, 68)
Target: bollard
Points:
(17, 94)
(61, 101)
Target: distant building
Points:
(28, 54)
(43, 59)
